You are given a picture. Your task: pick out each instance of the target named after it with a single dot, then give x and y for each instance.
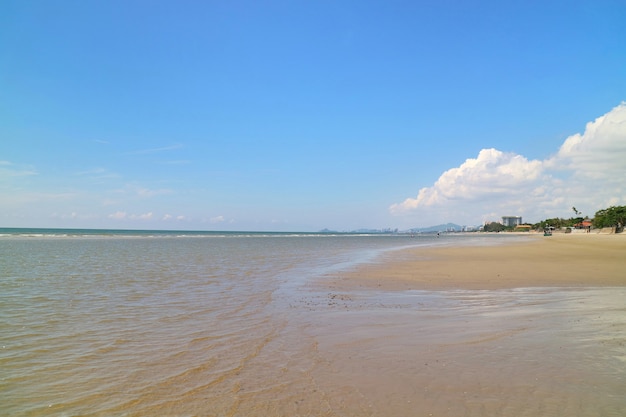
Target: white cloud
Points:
(118, 215)
(122, 215)
(145, 216)
(216, 219)
(600, 151)
(587, 171)
(169, 217)
(492, 173)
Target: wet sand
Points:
(561, 260)
(531, 328)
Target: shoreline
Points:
(560, 260)
(517, 327)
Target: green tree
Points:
(554, 222)
(493, 227)
(614, 216)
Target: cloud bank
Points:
(588, 171)
(122, 215)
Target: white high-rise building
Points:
(511, 221)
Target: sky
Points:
(305, 115)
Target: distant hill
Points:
(448, 227)
(362, 231)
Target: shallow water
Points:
(522, 352)
(228, 325)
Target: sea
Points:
(180, 323)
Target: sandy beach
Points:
(528, 328)
(561, 260)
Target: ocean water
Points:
(127, 323)
(146, 323)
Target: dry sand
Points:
(532, 328)
(561, 260)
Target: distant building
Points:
(585, 224)
(511, 221)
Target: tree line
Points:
(614, 216)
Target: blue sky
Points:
(300, 115)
